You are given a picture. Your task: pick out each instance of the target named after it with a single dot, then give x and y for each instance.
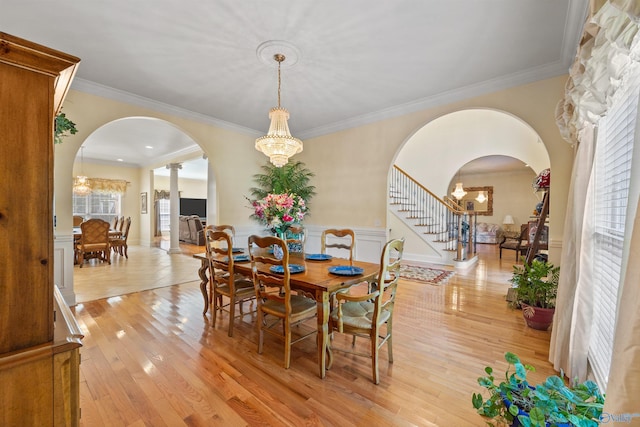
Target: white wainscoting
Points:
(63, 267)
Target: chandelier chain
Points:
(279, 81)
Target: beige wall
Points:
(191, 188)
(351, 166)
(512, 194)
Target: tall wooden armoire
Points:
(39, 338)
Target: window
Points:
(612, 174)
(164, 212)
(105, 206)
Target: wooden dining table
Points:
(315, 280)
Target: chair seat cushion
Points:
(510, 244)
(299, 304)
(358, 314)
(243, 287)
(93, 247)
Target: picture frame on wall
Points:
(143, 203)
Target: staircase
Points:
(441, 224)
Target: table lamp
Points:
(508, 222)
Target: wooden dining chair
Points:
(119, 243)
(224, 281)
(94, 242)
(370, 314)
(229, 229)
(120, 224)
(344, 239)
(279, 309)
(77, 220)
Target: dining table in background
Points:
(316, 280)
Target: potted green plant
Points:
(62, 127)
(515, 402)
(294, 177)
(536, 287)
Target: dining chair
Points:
(119, 243)
(344, 239)
(120, 224)
(77, 220)
(229, 229)
(370, 314)
(296, 237)
(94, 242)
(278, 306)
(224, 282)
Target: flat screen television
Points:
(193, 207)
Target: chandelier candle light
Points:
(459, 192)
(80, 183)
(278, 144)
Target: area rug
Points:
(432, 276)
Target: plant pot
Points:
(537, 317)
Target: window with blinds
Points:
(97, 205)
(612, 167)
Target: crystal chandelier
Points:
(278, 144)
(458, 192)
(482, 197)
(81, 183)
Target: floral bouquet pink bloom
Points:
(279, 211)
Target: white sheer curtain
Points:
(561, 354)
(609, 50)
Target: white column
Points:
(174, 221)
(212, 208)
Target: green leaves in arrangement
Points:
(63, 127)
(552, 403)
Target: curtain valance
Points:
(609, 49)
(108, 186)
(161, 195)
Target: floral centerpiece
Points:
(278, 212)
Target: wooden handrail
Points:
(451, 208)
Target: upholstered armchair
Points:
(519, 244)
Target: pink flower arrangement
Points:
(279, 211)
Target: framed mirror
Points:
(471, 203)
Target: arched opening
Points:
(480, 148)
(131, 149)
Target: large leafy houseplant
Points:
(536, 284)
(294, 177)
(513, 401)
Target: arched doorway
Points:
(471, 146)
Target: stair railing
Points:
(450, 224)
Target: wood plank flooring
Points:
(150, 358)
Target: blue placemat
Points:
(345, 270)
(318, 257)
(293, 268)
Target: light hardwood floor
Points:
(151, 359)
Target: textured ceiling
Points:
(358, 61)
